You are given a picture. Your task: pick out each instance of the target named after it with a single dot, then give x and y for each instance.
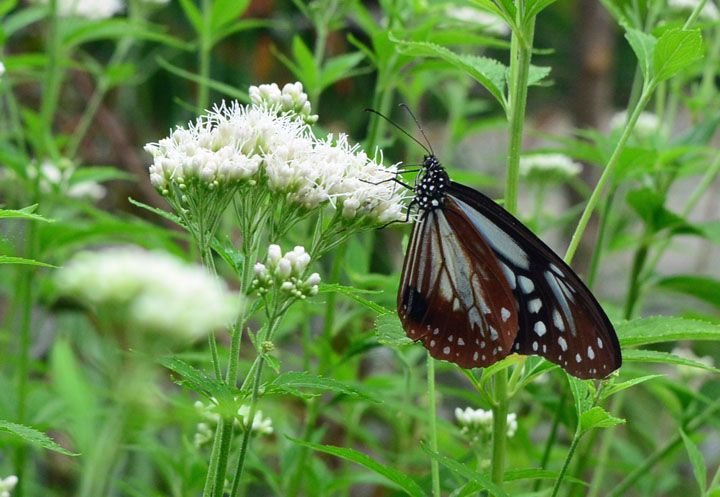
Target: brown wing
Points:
(453, 295)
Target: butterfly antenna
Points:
(401, 129)
(404, 106)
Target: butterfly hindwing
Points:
(453, 295)
(558, 317)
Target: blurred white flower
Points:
(709, 12)
(548, 167)
(487, 21)
(646, 125)
(90, 9)
(286, 271)
(689, 372)
(2, 68)
(161, 293)
(7, 485)
(260, 425)
(58, 178)
(478, 422)
(291, 99)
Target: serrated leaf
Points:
(537, 73)
(356, 295)
(597, 417)
(197, 380)
(294, 382)
(643, 45)
(398, 478)
(33, 437)
(582, 391)
(700, 287)
(656, 356)
(659, 329)
(465, 472)
(618, 387)
(698, 462)
(488, 72)
(675, 50)
(390, 332)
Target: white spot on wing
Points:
(591, 353)
(505, 314)
(562, 343)
(446, 350)
(557, 320)
(526, 284)
(540, 328)
(535, 305)
(578, 358)
(600, 343)
(535, 346)
(509, 275)
(461, 342)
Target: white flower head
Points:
(291, 99)
(95, 10)
(647, 124)
(287, 271)
(58, 177)
(478, 423)
(489, 22)
(708, 13)
(260, 425)
(7, 485)
(161, 293)
(548, 167)
(2, 69)
(689, 372)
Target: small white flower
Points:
(709, 12)
(291, 99)
(548, 167)
(2, 69)
(203, 434)
(479, 422)
(647, 124)
(260, 425)
(160, 292)
(487, 21)
(287, 272)
(90, 9)
(7, 485)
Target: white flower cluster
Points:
(2, 69)
(95, 10)
(647, 124)
(291, 99)
(555, 167)
(58, 177)
(162, 294)
(204, 433)
(287, 271)
(7, 485)
(489, 22)
(689, 372)
(478, 422)
(235, 144)
(709, 12)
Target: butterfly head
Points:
(431, 184)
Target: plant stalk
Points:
(432, 421)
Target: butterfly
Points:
(478, 285)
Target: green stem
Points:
(607, 172)
(604, 453)
(634, 283)
(600, 241)
(500, 411)
(204, 54)
(552, 437)
(98, 472)
(663, 451)
(53, 81)
(568, 458)
(432, 422)
(694, 14)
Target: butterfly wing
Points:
(559, 318)
(453, 295)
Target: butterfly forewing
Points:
(453, 294)
(558, 317)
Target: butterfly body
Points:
(478, 285)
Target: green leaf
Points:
(228, 90)
(618, 387)
(197, 380)
(293, 381)
(488, 72)
(698, 462)
(390, 332)
(399, 478)
(538, 474)
(193, 14)
(467, 473)
(305, 61)
(700, 287)
(537, 73)
(160, 212)
(100, 174)
(337, 68)
(597, 417)
(33, 437)
(6, 259)
(24, 213)
(582, 391)
(659, 329)
(356, 295)
(650, 206)
(657, 356)
(675, 50)
(534, 7)
(643, 45)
